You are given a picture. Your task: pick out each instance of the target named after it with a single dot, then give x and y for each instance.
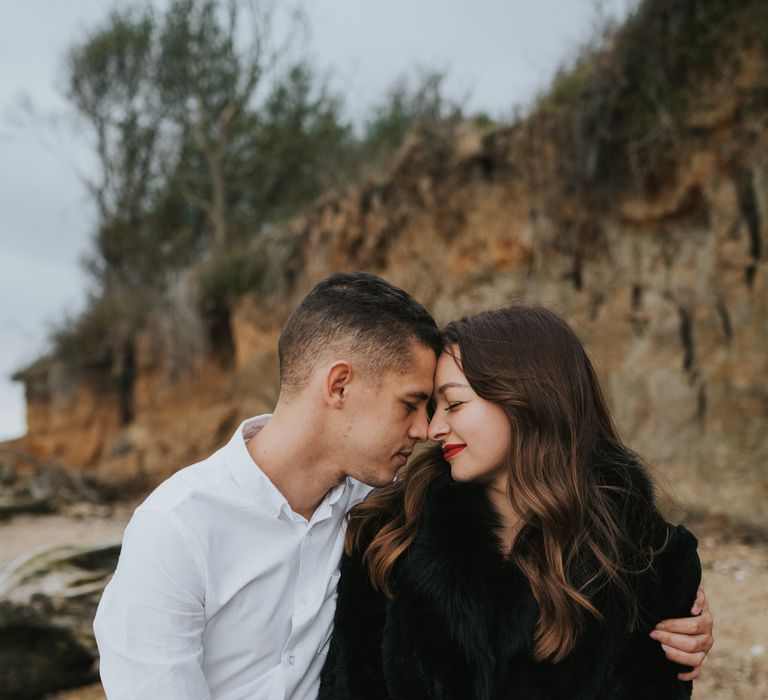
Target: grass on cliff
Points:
(616, 111)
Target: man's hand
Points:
(687, 641)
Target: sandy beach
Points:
(735, 579)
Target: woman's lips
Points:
(452, 450)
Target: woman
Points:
(524, 557)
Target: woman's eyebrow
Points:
(450, 385)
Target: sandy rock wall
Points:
(668, 291)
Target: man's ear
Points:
(336, 386)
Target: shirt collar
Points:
(253, 480)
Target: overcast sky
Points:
(497, 53)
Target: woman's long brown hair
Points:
(569, 474)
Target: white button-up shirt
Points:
(221, 590)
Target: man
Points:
(226, 583)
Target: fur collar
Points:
(484, 604)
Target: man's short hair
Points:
(356, 313)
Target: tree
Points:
(110, 84)
(246, 110)
(203, 132)
(418, 105)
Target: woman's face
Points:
(475, 434)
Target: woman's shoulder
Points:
(662, 577)
(630, 499)
(632, 502)
(658, 560)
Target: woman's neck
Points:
(510, 522)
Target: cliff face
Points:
(668, 290)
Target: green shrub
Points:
(229, 273)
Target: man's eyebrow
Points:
(418, 395)
(450, 385)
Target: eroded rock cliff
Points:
(667, 285)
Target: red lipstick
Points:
(452, 450)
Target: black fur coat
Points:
(461, 622)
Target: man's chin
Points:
(378, 479)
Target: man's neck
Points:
(290, 458)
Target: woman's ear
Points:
(336, 386)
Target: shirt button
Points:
(291, 660)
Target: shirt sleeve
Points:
(150, 621)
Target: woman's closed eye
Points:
(453, 405)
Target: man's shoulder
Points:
(204, 477)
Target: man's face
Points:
(386, 417)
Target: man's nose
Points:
(438, 428)
(419, 426)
